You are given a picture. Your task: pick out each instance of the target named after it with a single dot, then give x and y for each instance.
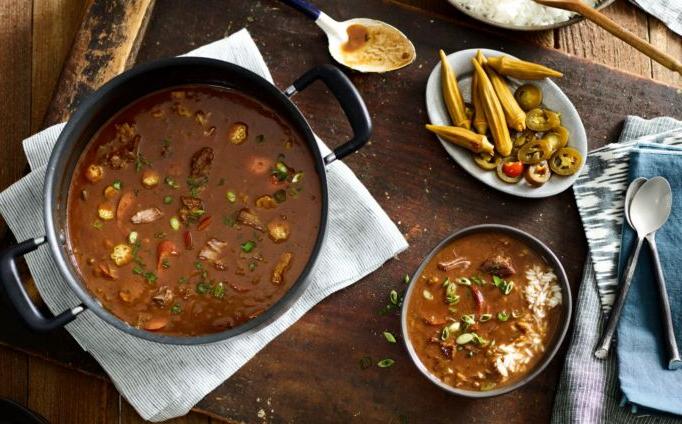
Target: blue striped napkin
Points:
(642, 358)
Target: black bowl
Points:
(554, 344)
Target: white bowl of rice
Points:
(523, 15)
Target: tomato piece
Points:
(478, 297)
(204, 223)
(512, 169)
(509, 170)
(124, 204)
(189, 244)
(163, 250)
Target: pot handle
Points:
(350, 100)
(18, 296)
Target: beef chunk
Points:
(163, 296)
(122, 149)
(247, 217)
(201, 163)
(192, 208)
(499, 265)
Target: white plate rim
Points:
(438, 115)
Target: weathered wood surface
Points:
(421, 184)
(105, 46)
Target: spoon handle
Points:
(303, 6)
(629, 271)
(674, 361)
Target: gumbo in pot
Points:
(193, 210)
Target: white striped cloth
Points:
(667, 11)
(162, 381)
(588, 390)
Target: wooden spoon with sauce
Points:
(366, 45)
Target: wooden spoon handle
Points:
(625, 35)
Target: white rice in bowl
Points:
(517, 12)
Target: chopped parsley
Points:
(248, 246)
(203, 287)
(140, 161)
(176, 309)
(230, 220)
(149, 276)
(196, 184)
(219, 291)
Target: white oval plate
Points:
(553, 98)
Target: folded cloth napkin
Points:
(600, 193)
(162, 381)
(668, 11)
(588, 390)
(642, 358)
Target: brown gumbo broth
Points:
(193, 210)
(484, 311)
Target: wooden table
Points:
(41, 34)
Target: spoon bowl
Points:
(338, 37)
(651, 205)
(634, 186)
(384, 47)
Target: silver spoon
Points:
(399, 50)
(674, 361)
(648, 211)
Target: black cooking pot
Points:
(117, 94)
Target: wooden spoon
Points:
(603, 21)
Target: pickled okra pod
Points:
(493, 111)
(477, 143)
(521, 69)
(516, 117)
(451, 94)
(479, 121)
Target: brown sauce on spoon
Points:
(358, 36)
(376, 47)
